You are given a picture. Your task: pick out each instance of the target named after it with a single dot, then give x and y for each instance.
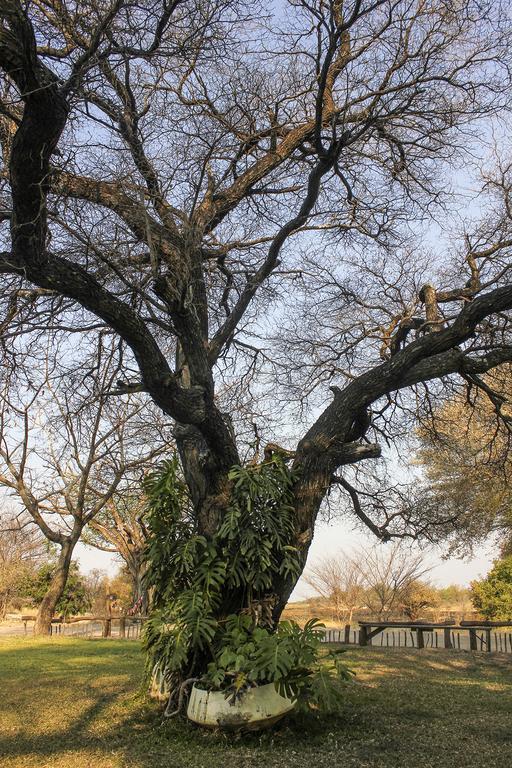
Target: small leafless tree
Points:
(388, 575)
(340, 582)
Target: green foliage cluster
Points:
(245, 656)
(492, 596)
(75, 598)
(190, 575)
(193, 579)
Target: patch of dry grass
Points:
(76, 704)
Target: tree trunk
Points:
(140, 593)
(133, 557)
(55, 591)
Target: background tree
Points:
(339, 581)
(97, 588)
(74, 599)
(121, 585)
(390, 576)
(100, 588)
(65, 454)
(453, 597)
(417, 597)
(120, 530)
(240, 202)
(492, 596)
(384, 580)
(465, 455)
(22, 549)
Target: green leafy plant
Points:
(193, 578)
(246, 655)
(75, 598)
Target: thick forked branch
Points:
(392, 374)
(43, 121)
(455, 361)
(71, 280)
(117, 198)
(215, 208)
(321, 450)
(44, 118)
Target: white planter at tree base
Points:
(159, 689)
(258, 708)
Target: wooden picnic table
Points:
(369, 629)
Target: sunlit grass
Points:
(77, 704)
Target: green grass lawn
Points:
(77, 704)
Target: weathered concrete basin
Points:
(258, 708)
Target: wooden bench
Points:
(369, 629)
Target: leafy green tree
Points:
(22, 549)
(75, 598)
(492, 596)
(417, 597)
(455, 598)
(465, 455)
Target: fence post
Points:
(419, 633)
(347, 633)
(363, 635)
(122, 626)
(448, 638)
(472, 640)
(107, 627)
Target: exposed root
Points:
(181, 697)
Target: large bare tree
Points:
(64, 455)
(241, 201)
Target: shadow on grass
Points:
(387, 718)
(71, 736)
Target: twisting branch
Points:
(380, 531)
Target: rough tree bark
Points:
(47, 608)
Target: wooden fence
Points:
(493, 637)
(471, 636)
(121, 627)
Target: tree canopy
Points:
(22, 550)
(465, 454)
(492, 596)
(75, 598)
